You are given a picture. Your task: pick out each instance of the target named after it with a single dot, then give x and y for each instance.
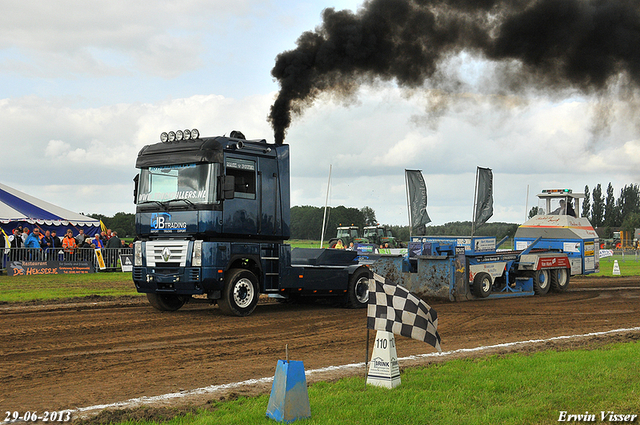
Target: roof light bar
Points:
(557, 191)
(177, 136)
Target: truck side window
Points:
(244, 172)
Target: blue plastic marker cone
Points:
(289, 400)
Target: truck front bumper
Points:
(182, 280)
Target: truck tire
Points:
(560, 280)
(482, 285)
(358, 290)
(240, 294)
(167, 302)
(541, 281)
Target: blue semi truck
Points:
(212, 218)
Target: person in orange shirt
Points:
(69, 244)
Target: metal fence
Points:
(111, 256)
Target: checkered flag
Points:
(393, 308)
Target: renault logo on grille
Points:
(166, 253)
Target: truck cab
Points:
(379, 235)
(344, 236)
(561, 231)
(212, 216)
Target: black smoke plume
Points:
(545, 45)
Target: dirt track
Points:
(66, 356)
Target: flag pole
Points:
(475, 200)
(326, 202)
(366, 361)
(526, 206)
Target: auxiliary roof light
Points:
(176, 136)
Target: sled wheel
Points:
(358, 291)
(560, 280)
(482, 285)
(241, 293)
(167, 302)
(541, 281)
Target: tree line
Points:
(306, 223)
(605, 210)
(123, 223)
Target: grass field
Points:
(629, 265)
(511, 389)
(60, 286)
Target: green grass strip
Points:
(629, 265)
(62, 286)
(510, 389)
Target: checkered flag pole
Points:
(393, 308)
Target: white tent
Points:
(18, 208)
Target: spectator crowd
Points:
(49, 241)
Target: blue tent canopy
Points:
(19, 209)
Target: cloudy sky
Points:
(85, 84)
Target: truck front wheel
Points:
(482, 285)
(241, 293)
(541, 281)
(167, 302)
(560, 280)
(358, 292)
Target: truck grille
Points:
(161, 253)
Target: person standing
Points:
(114, 244)
(33, 241)
(80, 237)
(114, 241)
(15, 241)
(46, 243)
(69, 245)
(97, 241)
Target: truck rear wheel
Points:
(560, 280)
(482, 285)
(167, 302)
(358, 291)
(241, 293)
(541, 281)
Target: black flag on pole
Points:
(417, 192)
(484, 198)
(393, 308)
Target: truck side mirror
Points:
(227, 187)
(135, 188)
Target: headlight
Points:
(137, 253)
(196, 259)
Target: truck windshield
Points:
(191, 183)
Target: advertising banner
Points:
(126, 262)
(30, 268)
